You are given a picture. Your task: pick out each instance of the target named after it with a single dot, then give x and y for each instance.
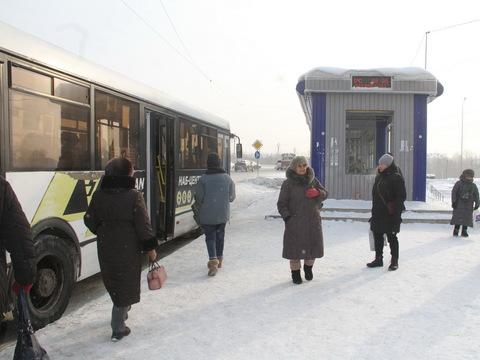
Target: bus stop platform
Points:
(360, 210)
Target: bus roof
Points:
(29, 47)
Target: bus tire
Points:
(53, 285)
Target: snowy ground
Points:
(428, 309)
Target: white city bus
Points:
(62, 119)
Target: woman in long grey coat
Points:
(118, 216)
(299, 203)
(464, 201)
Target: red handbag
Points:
(156, 276)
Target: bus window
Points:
(117, 130)
(71, 91)
(196, 142)
(47, 134)
(31, 80)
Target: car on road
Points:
(241, 165)
(246, 165)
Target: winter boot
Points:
(220, 260)
(117, 336)
(296, 277)
(464, 231)
(212, 267)
(378, 262)
(393, 265)
(308, 272)
(455, 230)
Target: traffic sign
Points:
(257, 154)
(257, 144)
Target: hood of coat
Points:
(301, 179)
(115, 183)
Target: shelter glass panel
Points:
(367, 136)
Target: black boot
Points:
(296, 277)
(117, 336)
(393, 265)
(464, 231)
(455, 230)
(378, 262)
(308, 272)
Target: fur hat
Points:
(213, 161)
(119, 166)
(297, 160)
(385, 159)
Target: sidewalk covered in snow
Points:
(428, 309)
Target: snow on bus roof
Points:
(28, 46)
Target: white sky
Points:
(254, 51)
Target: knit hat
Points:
(213, 161)
(468, 173)
(297, 160)
(385, 159)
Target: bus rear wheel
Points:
(54, 281)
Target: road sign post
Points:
(257, 144)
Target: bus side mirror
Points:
(238, 150)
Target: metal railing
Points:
(436, 194)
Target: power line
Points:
(454, 25)
(167, 42)
(175, 30)
(418, 50)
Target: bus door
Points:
(3, 104)
(161, 174)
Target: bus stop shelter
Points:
(355, 116)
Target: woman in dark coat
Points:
(464, 201)
(388, 197)
(118, 216)
(299, 203)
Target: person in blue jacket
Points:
(214, 192)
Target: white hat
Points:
(386, 160)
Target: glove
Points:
(391, 208)
(312, 193)
(476, 207)
(16, 288)
(286, 218)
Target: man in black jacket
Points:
(16, 238)
(388, 197)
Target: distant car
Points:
(241, 165)
(252, 165)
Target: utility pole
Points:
(426, 46)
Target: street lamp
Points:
(461, 138)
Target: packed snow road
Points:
(428, 309)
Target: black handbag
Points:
(27, 347)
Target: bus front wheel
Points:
(54, 281)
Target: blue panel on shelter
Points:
(319, 129)
(419, 147)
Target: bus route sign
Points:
(257, 144)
